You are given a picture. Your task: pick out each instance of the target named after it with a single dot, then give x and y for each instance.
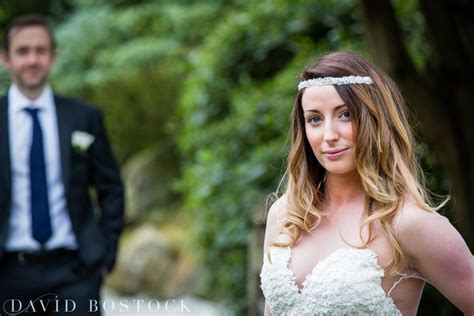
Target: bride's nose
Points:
(330, 131)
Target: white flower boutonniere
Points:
(81, 141)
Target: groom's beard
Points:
(26, 83)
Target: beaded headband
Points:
(325, 81)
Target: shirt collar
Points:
(19, 102)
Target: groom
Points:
(55, 247)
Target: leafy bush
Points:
(131, 60)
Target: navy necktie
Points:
(40, 219)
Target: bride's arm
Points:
(268, 312)
(439, 254)
(274, 218)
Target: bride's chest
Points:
(312, 250)
(348, 280)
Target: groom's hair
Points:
(27, 21)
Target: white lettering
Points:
(150, 302)
(112, 306)
(184, 307)
(124, 303)
(12, 309)
(139, 301)
(166, 306)
(32, 306)
(93, 306)
(56, 305)
(43, 306)
(66, 305)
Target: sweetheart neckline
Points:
(301, 290)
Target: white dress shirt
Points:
(20, 130)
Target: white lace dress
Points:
(347, 282)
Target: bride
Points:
(355, 232)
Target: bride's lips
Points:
(334, 154)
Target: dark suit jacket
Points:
(96, 232)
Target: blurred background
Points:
(197, 97)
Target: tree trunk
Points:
(441, 97)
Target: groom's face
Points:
(30, 57)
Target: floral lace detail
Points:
(347, 282)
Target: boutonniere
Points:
(81, 141)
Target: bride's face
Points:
(329, 129)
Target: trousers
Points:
(51, 283)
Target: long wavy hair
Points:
(386, 158)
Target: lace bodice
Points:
(347, 282)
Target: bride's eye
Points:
(314, 120)
(345, 115)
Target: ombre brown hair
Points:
(386, 158)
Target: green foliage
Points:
(234, 115)
(412, 25)
(54, 9)
(130, 60)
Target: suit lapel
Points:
(5, 172)
(65, 118)
(4, 144)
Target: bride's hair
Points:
(385, 154)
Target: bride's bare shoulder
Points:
(275, 219)
(278, 209)
(410, 216)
